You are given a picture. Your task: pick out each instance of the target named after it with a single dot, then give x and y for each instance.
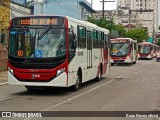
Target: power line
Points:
(103, 6)
(64, 7)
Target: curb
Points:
(5, 83)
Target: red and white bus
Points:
(56, 51)
(155, 50)
(145, 50)
(123, 50)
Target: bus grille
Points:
(34, 67)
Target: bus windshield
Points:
(37, 41)
(120, 49)
(144, 49)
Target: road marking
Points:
(77, 96)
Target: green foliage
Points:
(120, 28)
(138, 34)
(114, 34)
(110, 25)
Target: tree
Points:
(121, 30)
(107, 24)
(138, 34)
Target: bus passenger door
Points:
(132, 51)
(89, 49)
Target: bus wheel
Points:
(77, 86)
(99, 75)
(134, 62)
(130, 63)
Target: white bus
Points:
(123, 50)
(56, 51)
(145, 50)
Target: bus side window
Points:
(89, 40)
(72, 44)
(131, 44)
(102, 40)
(81, 37)
(95, 41)
(99, 39)
(135, 46)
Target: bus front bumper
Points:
(59, 81)
(128, 60)
(144, 57)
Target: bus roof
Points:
(145, 43)
(130, 39)
(71, 19)
(88, 24)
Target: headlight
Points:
(10, 70)
(60, 71)
(128, 57)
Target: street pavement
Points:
(3, 78)
(125, 88)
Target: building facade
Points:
(145, 12)
(4, 15)
(20, 1)
(4, 24)
(159, 13)
(17, 9)
(79, 9)
(8, 10)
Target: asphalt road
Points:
(126, 88)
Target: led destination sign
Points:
(119, 41)
(37, 21)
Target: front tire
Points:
(99, 75)
(112, 64)
(77, 85)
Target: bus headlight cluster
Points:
(60, 71)
(128, 57)
(11, 70)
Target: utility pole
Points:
(129, 15)
(153, 34)
(103, 6)
(129, 19)
(92, 3)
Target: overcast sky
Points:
(97, 5)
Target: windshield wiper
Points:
(44, 32)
